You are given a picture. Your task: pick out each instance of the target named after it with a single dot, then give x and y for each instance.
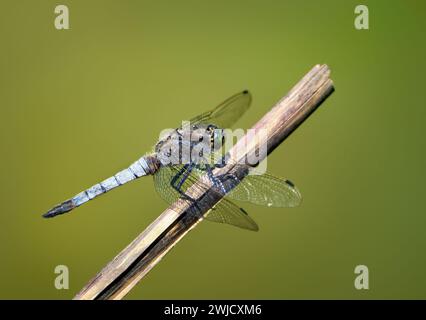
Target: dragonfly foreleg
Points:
(222, 162)
(184, 173)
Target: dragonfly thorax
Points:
(190, 144)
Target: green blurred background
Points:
(78, 105)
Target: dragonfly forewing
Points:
(226, 113)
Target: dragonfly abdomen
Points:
(146, 165)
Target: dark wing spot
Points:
(244, 211)
(291, 184)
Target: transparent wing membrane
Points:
(266, 190)
(223, 212)
(229, 213)
(227, 113)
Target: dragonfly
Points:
(173, 176)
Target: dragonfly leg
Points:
(222, 161)
(206, 167)
(216, 182)
(231, 184)
(178, 175)
(184, 173)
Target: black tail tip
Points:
(60, 209)
(50, 214)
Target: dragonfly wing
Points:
(164, 176)
(228, 212)
(266, 190)
(227, 113)
(224, 211)
(162, 181)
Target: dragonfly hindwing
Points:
(224, 211)
(266, 190)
